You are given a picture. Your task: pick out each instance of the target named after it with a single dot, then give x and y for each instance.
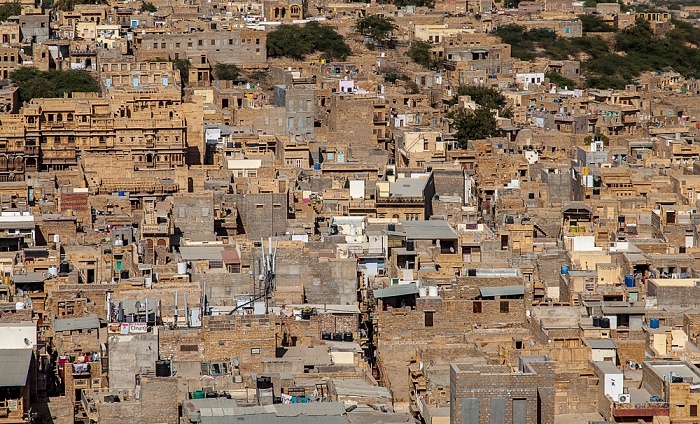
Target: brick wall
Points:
(488, 382)
(222, 338)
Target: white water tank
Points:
(433, 291)
(19, 306)
(53, 271)
(56, 238)
(182, 268)
(422, 292)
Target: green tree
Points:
(473, 125)
(486, 97)
(421, 53)
(34, 83)
(183, 65)
(511, 4)
(259, 76)
(594, 23)
(149, 7)
(10, 9)
(295, 42)
(559, 80)
(377, 27)
(430, 4)
(226, 71)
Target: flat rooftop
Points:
(679, 369)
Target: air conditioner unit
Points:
(623, 398)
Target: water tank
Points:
(564, 269)
(347, 336)
(199, 394)
(471, 272)
(654, 322)
(264, 383)
(19, 306)
(121, 193)
(163, 368)
(422, 291)
(182, 268)
(56, 238)
(433, 291)
(317, 166)
(65, 268)
(391, 227)
(629, 280)
(337, 337)
(410, 245)
(596, 321)
(681, 249)
(326, 335)
(605, 323)
(53, 271)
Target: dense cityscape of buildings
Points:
(312, 241)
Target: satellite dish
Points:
(27, 342)
(235, 362)
(137, 305)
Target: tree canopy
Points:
(612, 65)
(183, 65)
(226, 71)
(473, 125)
(296, 42)
(559, 80)
(147, 6)
(480, 123)
(420, 52)
(43, 84)
(594, 23)
(486, 97)
(10, 9)
(376, 26)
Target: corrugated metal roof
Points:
(68, 324)
(502, 291)
(14, 366)
(398, 290)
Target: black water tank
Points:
(338, 337)
(326, 335)
(471, 272)
(681, 249)
(347, 336)
(410, 245)
(596, 321)
(65, 268)
(392, 227)
(264, 382)
(605, 323)
(163, 369)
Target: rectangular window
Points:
(189, 348)
(428, 318)
(476, 306)
(693, 410)
(505, 307)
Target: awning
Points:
(395, 291)
(502, 291)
